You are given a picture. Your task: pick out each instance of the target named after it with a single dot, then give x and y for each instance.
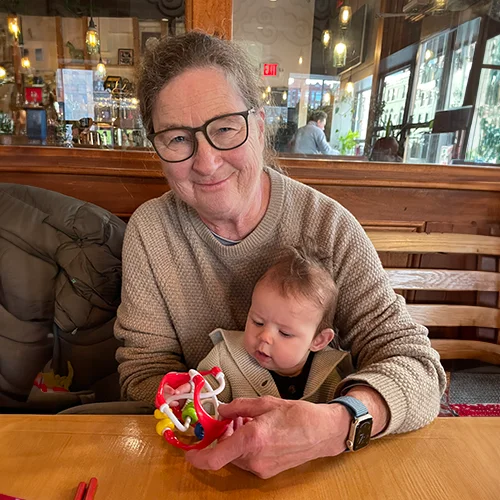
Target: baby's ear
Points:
(322, 339)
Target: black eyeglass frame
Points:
(202, 129)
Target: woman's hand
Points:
(280, 435)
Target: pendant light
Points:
(3, 73)
(349, 86)
(339, 54)
(439, 6)
(345, 15)
(101, 69)
(14, 27)
(326, 37)
(25, 61)
(92, 41)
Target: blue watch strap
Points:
(354, 406)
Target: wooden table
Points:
(44, 458)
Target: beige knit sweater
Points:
(180, 283)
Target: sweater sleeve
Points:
(151, 347)
(390, 351)
(322, 144)
(216, 358)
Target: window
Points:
(463, 53)
(484, 140)
(362, 98)
(443, 68)
(400, 80)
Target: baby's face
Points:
(280, 330)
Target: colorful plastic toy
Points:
(206, 428)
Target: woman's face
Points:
(219, 185)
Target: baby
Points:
(284, 351)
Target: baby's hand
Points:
(170, 391)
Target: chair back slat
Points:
(449, 315)
(445, 315)
(467, 349)
(439, 279)
(406, 242)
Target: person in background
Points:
(192, 257)
(310, 139)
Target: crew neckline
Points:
(259, 235)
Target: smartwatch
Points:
(361, 425)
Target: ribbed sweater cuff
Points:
(389, 390)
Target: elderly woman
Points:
(192, 257)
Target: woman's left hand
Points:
(282, 434)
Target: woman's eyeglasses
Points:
(222, 132)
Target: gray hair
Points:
(171, 56)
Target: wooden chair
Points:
(448, 280)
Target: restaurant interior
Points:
(429, 80)
(411, 94)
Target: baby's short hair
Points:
(301, 272)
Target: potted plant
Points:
(348, 142)
(386, 148)
(6, 129)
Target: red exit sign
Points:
(270, 69)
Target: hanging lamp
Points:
(345, 15)
(339, 54)
(92, 41)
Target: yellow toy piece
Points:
(163, 423)
(159, 415)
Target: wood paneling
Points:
(213, 16)
(383, 196)
(380, 193)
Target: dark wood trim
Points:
(59, 42)
(39, 161)
(375, 79)
(137, 40)
(188, 14)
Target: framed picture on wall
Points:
(148, 40)
(126, 57)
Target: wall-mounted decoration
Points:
(33, 95)
(126, 57)
(148, 40)
(39, 55)
(76, 55)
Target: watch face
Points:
(363, 433)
